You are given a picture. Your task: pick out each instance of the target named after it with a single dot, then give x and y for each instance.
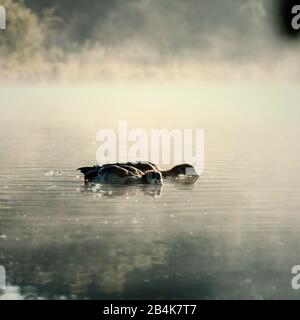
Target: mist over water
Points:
(232, 235)
(147, 40)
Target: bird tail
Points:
(85, 170)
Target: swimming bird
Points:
(117, 175)
(182, 173)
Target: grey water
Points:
(233, 235)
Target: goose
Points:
(117, 175)
(183, 173)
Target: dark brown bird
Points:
(182, 173)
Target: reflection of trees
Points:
(177, 267)
(26, 39)
(89, 270)
(132, 267)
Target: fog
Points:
(70, 68)
(145, 40)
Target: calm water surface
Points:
(233, 235)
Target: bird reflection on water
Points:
(154, 191)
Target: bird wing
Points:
(143, 166)
(118, 170)
(132, 169)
